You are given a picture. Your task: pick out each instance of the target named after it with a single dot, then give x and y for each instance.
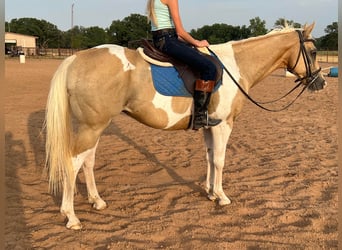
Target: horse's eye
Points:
(314, 53)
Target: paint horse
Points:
(93, 86)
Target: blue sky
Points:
(195, 13)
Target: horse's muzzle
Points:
(316, 83)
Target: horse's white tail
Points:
(58, 125)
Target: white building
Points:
(25, 43)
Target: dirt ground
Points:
(280, 173)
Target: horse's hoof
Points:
(100, 205)
(223, 202)
(74, 226)
(212, 197)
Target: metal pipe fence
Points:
(56, 52)
(46, 52)
(327, 56)
(322, 56)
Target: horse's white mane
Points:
(277, 30)
(283, 29)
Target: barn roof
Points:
(11, 33)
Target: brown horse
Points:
(93, 86)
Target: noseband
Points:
(310, 76)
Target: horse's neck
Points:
(258, 57)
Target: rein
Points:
(311, 76)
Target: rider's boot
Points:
(202, 95)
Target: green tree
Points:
(76, 37)
(94, 36)
(82, 38)
(130, 29)
(48, 34)
(330, 40)
(245, 32)
(117, 32)
(257, 27)
(7, 27)
(220, 33)
(283, 22)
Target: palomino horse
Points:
(93, 86)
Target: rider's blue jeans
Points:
(171, 45)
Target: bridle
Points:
(309, 78)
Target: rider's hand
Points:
(202, 43)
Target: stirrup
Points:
(206, 122)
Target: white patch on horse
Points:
(228, 90)
(165, 103)
(79, 159)
(120, 53)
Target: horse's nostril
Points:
(318, 84)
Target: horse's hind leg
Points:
(67, 207)
(85, 146)
(88, 168)
(216, 139)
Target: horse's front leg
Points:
(88, 168)
(216, 139)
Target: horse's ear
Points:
(308, 29)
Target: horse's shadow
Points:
(37, 137)
(37, 140)
(113, 129)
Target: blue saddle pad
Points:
(167, 82)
